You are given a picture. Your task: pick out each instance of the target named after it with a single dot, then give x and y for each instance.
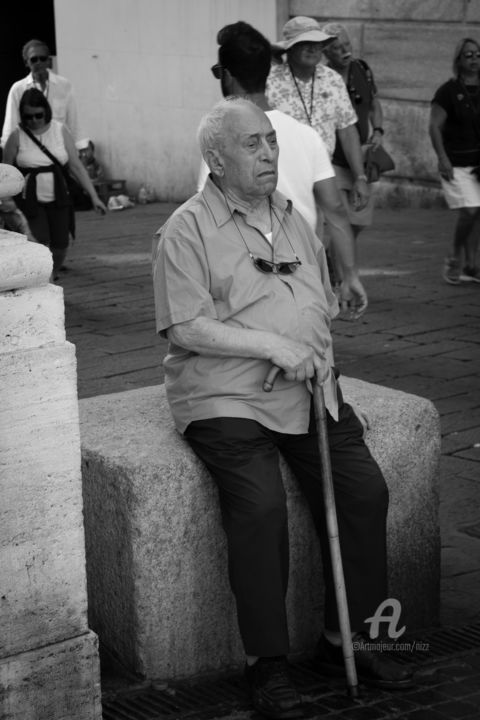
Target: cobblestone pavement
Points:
(419, 335)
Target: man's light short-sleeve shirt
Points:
(331, 106)
(201, 267)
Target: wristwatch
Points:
(379, 129)
(362, 177)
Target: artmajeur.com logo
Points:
(392, 619)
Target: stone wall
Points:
(141, 73)
(409, 45)
(49, 666)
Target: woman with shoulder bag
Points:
(455, 135)
(44, 151)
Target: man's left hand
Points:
(353, 298)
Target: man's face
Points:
(38, 59)
(339, 52)
(249, 155)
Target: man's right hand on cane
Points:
(297, 360)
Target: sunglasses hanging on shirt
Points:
(261, 264)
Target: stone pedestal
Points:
(156, 557)
(49, 667)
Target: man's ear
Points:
(215, 163)
(227, 82)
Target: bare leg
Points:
(463, 229)
(356, 230)
(471, 244)
(58, 255)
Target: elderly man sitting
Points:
(241, 283)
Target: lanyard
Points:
(307, 113)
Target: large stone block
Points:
(408, 141)
(22, 264)
(42, 555)
(427, 10)
(11, 181)
(407, 193)
(156, 558)
(413, 67)
(31, 318)
(55, 682)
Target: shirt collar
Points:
(215, 200)
(51, 78)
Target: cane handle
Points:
(269, 381)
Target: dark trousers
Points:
(51, 225)
(243, 459)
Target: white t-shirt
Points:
(303, 160)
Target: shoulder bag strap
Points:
(42, 147)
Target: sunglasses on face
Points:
(38, 58)
(268, 266)
(34, 116)
(470, 54)
(217, 71)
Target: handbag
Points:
(377, 161)
(79, 198)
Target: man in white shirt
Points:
(305, 173)
(57, 89)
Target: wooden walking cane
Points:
(332, 528)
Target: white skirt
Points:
(463, 190)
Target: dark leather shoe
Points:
(373, 666)
(273, 694)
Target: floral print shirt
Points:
(329, 108)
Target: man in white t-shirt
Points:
(305, 173)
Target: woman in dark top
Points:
(455, 135)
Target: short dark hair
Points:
(246, 54)
(33, 97)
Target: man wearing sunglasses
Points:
(57, 89)
(241, 283)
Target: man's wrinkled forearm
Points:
(207, 336)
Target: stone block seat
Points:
(156, 556)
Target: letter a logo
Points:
(392, 619)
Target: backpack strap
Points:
(368, 74)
